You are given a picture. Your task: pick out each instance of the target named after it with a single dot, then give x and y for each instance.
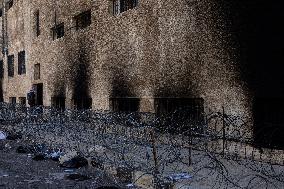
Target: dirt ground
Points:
(21, 171)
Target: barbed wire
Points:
(156, 145)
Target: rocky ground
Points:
(19, 170)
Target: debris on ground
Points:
(3, 135)
(14, 136)
(39, 157)
(180, 176)
(68, 156)
(24, 149)
(77, 177)
(75, 162)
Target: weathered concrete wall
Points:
(18, 37)
(159, 49)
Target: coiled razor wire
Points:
(156, 145)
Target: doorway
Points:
(38, 88)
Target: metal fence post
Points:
(223, 129)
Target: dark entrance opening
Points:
(38, 88)
(82, 103)
(181, 113)
(129, 104)
(269, 122)
(58, 102)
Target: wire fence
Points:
(218, 145)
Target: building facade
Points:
(124, 55)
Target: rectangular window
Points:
(1, 12)
(37, 23)
(12, 100)
(1, 69)
(120, 6)
(57, 31)
(23, 101)
(21, 63)
(36, 71)
(83, 20)
(11, 65)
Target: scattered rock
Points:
(3, 135)
(180, 176)
(96, 163)
(55, 155)
(75, 162)
(77, 177)
(68, 156)
(125, 174)
(8, 146)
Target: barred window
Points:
(21, 63)
(57, 31)
(12, 100)
(83, 20)
(124, 104)
(11, 65)
(120, 6)
(58, 102)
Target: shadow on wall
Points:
(122, 97)
(253, 28)
(81, 98)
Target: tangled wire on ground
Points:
(209, 151)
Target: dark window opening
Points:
(10, 4)
(11, 65)
(180, 113)
(23, 101)
(124, 104)
(36, 71)
(1, 12)
(1, 69)
(83, 20)
(12, 100)
(82, 103)
(58, 102)
(58, 31)
(21, 63)
(37, 23)
(120, 6)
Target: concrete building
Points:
(128, 55)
